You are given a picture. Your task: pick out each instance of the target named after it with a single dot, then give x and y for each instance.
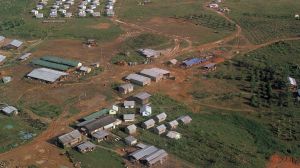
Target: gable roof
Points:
(16, 43)
(46, 74)
(66, 138)
(99, 123)
(2, 58)
(142, 95)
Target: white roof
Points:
(2, 58)
(137, 78)
(16, 43)
(2, 38)
(149, 52)
(25, 56)
(292, 81)
(129, 103)
(85, 69)
(9, 109)
(46, 74)
(161, 71)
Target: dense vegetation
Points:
(265, 20)
(263, 74)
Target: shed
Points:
(70, 139)
(142, 98)
(172, 124)
(149, 53)
(156, 157)
(14, 44)
(125, 88)
(138, 79)
(24, 56)
(2, 58)
(173, 61)
(146, 110)
(131, 129)
(152, 74)
(129, 104)
(46, 74)
(160, 129)
(6, 79)
(148, 124)
(10, 110)
(164, 72)
(160, 117)
(130, 140)
(2, 38)
(129, 117)
(193, 61)
(173, 135)
(185, 119)
(210, 67)
(103, 123)
(86, 147)
(100, 135)
(85, 69)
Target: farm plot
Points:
(264, 21)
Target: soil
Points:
(277, 161)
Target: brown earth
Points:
(277, 161)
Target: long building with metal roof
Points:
(50, 65)
(46, 74)
(63, 61)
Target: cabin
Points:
(130, 140)
(142, 98)
(10, 110)
(125, 88)
(148, 124)
(131, 129)
(70, 139)
(129, 104)
(160, 129)
(100, 135)
(160, 117)
(86, 147)
(185, 119)
(129, 117)
(172, 124)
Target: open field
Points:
(263, 21)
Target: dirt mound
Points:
(277, 161)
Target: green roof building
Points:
(58, 60)
(96, 115)
(50, 65)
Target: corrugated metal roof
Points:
(46, 74)
(96, 115)
(161, 127)
(130, 139)
(149, 122)
(25, 56)
(149, 53)
(143, 152)
(63, 61)
(100, 134)
(86, 145)
(2, 38)
(138, 77)
(50, 65)
(16, 43)
(151, 73)
(129, 116)
(66, 138)
(9, 109)
(99, 123)
(129, 103)
(194, 61)
(131, 127)
(161, 71)
(126, 86)
(185, 119)
(2, 58)
(161, 116)
(142, 95)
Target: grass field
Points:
(45, 109)
(16, 21)
(97, 158)
(265, 20)
(15, 131)
(215, 138)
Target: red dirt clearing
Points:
(277, 161)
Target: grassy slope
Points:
(17, 21)
(265, 20)
(97, 158)
(214, 138)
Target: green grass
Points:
(215, 138)
(265, 20)
(99, 157)
(16, 21)
(45, 109)
(11, 129)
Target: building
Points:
(149, 53)
(172, 124)
(142, 98)
(58, 60)
(86, 147)
(24, 56)
(138, 79)
(50, 65)
(160, 117)
(2, 58)
(130, 140)
(153, 75)
(193, 61)
(160, 129)
(292, 81)
(85, 69)
(14, 44)
(129, 104)
(114, 109)
(146, 110)
(210, 67)
(131, 129)
(165, 73)
(10, 110)
(103, 123)
(47, 75)
(125, 88)
(100, 135)
(96, 115)
(173, 135)
(173, 62)
(185, 119)
(148, 124)
(70, 139)
(6, 79)
(149, 155)
(129, 117)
